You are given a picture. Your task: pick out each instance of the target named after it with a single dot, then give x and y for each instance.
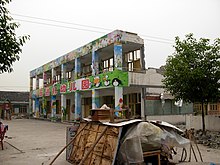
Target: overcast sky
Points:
(157, 21)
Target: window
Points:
(133, 60)
(23, 109)
(108, 65)
(213, 107)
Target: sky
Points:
(57, 27)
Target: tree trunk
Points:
(203, 118)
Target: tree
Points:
(192, 73)
(10, 45)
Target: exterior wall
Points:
(150, 78)
(210, 108)
(88, 78)
(211, 122)
(172, 119)
(154, 107)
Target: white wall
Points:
(212, 123)
(172, 119)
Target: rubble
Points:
(211, 139)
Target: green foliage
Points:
(192, 73)
(10, 46)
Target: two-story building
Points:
(109, 70)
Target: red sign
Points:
(72, 86)
(47, 91)
(85, 84)
(41, 92)
(63, 88)
(54, 90)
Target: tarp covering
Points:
(143, 137)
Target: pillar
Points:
(30, 97)
(54, 73)
(63, 107)
(77, 68)
(63, 96)
(95, 99)
(118, 98)
(118, 56)
(78, 106)
(95, 63)
(142, 58)
(95, 71)
(53, 107)
(118, 65)
(37, 82)
(63, 73)
(143, 103)
(44, 79)
(37, 107)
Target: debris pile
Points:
(211, 139)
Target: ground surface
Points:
(38, 142)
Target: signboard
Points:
(47, 91)
(85, 84)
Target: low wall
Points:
(172, 119)
(212, 123)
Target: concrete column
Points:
(37, 82)
(118, 56)
(37, 107)
(54, 73)
(78, 106)
(143, 107)
(77, 68)
(33, 106)
(142, 58)
(95, 99)
(44, 79)
(53, 107)
(118, 98)
(31, 84)
(63, 73)
(63, 107)
(95, 63)
(30, 110)
(72, 75)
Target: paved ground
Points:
(38, 142)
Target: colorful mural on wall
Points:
(118, 55)
(116, 36)
(116, 78)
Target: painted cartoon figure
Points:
(106, 81)
(116, 82)
(96, 81)
(119, 107)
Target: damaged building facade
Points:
(109, 70)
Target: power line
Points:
(68, 27)
(70, 23)
(156, 37)
(166, 42)
(153, 38)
